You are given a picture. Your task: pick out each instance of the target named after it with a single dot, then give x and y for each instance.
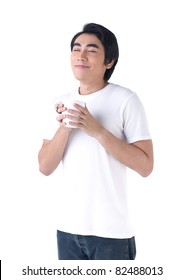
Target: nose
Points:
(82, 56)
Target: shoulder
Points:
(121, 90)
(121, 93)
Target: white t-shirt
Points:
(92, 197)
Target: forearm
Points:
(133, 155)
(51, 152)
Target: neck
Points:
(89, 89)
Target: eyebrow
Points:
(88, 45)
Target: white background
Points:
(35, 68)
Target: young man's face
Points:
(87, 59)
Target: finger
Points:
(76, 113)
(60, 108)
(80, 108)
(74, 118)
(60, 118)
(75, 124)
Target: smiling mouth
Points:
(81, 66)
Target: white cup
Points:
(69, 104)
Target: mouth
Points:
(81, 66)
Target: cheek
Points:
(72, 57)
(72, 60)
(100, 67)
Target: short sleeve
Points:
(135, 121)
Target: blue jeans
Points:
(80, 247)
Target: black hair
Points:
(108, 40)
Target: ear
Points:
(110, 64)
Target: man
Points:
(110, 134)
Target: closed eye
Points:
(75, 50)
(94, 51)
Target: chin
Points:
(80, 77)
